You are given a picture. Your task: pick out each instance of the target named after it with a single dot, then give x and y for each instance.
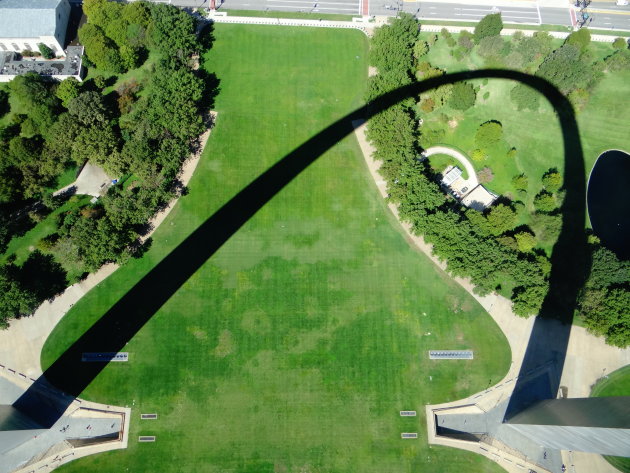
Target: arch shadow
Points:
(132, 311)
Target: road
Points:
(605, 14)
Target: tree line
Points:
(489, 247)
(143, 130)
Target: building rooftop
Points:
(70, 66)
(28, 18)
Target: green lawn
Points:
(294, 347)
(535, 135)
(439, 162)
(616, 383)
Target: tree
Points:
(525, 98)
(490, 25)
(580, 39)
(4, 103)
(492, 47)
(463, 96)
(173, 31)
(47, 53)
(478, 155)
(89, 109)
(501, 218)
(98, 145)
(520, 182)
(466, 40)
(525, 241)
(420, 49)
(14, 299)
(35, 98)
(67, 90)
(485, 175)
(552, 181)
(618, 61)
(565, 70)
(534, 48)
(101, 50)
(620, 43)
(488, 134)
(545, 202)
(392, 45)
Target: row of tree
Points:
(461, 238)
(145, 130)
(489, 247)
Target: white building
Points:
(26, 23)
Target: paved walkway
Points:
(587, 359)
(92, 180)
(472, 180)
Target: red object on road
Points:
(573, 18)
(366, 8)
(213, 5)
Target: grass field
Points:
(294, 347)
(535, 135)
(616, 383)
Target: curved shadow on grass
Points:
(127, 316)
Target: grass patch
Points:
(438, 163)
(601, 125)
(22, 246)
(616, 383)
(291, 15)
(294, 347)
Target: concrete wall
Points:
(9, 44)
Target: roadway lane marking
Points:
(507, 17)
(609, 12)
(539, 17)
(332, 9)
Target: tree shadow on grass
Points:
(127, 316)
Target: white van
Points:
(622, 2)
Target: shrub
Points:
(511, 154)
(579, 98)
(525, 242)
(488, 134)
(486, 95)
(552, 181)
(420, 49)
(478, 155)
(580, 38)
(463, 96)
(520, 182)
(465, 40)
(620, 43)
(492, 47)
(46, 51)
(490, 25)
(525, 98)
(545, 202)
(427, 105)
(485, 175)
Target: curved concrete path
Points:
(472, 180)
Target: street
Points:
(602, 14)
